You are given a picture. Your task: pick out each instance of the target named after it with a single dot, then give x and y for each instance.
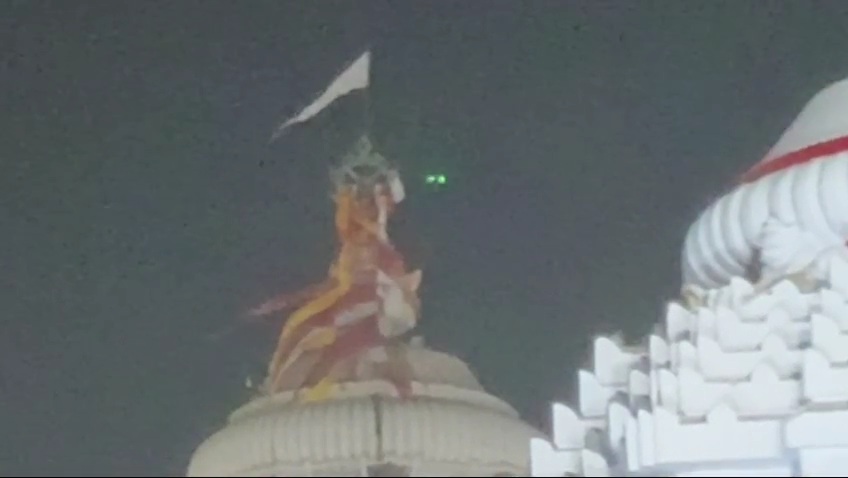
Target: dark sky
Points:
(143, 210)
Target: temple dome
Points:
(450, 427)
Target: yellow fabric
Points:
(316, 339)
(320, 392)
(343, 282)
(368, 225)
(341, 272)
(344, 204)
(348, 214)
(322, 302)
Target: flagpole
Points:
(369, 107)
(369, 112)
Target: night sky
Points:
(143, 209)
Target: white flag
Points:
(355, 77)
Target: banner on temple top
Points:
(355, 77)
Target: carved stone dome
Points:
(450, 427)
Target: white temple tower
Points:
(748, 373)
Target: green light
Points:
(436, 179)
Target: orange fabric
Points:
(342, 276)
(303, 339)
(362, 336)
(340, 272)
(363, 251)
(387, 260)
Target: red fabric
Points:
(797, 157)
(356, 338)
(359, 294)
(376, 256)
(370, 256)
(387, 259)
(390, 261)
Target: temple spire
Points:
(369, 300)
(364, 168)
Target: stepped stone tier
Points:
(449, 427)
(748, 373)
